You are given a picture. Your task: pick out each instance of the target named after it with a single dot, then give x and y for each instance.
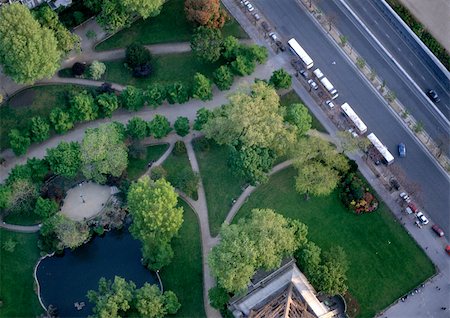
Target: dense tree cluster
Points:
(207, 13)
(119, 297)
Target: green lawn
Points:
(174, 165)
(169, 26)
(291, 98)
(23, 218)
(16, 276)
(385, 262)
(166, 69)
(137, 167)
(34, 101)
(221, 187)
(184, 275)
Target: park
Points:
(142, 180)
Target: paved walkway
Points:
(20, 228)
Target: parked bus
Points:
(326, 84)
(300, 53)
(387, 156)
(359, 124)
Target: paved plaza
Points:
(85, 200)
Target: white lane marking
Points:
(375, 22)
(387, 35)
(409, 61)
(423, 77)
(399, 49)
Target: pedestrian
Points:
(443, 308)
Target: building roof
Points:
(284, 292)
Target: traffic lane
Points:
(290, 19)
(415, 102)
(407, 57)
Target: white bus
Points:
(388, 157)
(362, 128)
(326, 83)
(300, 53)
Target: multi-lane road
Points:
(290, 20)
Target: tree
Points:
(65, 159)
(156, 217)
(152, 304)
(145, 8)
(83, 106)
(159, 126)
(203, 115)
(252, 163)
(103, 152)
(45, 208)
(112, 298)
(298, 116)
(181, 126)
(49, 19)
(255, 119)
(19, 141)
(334, 272)
(319, 166)
(177, 93)
(223, 77)
(218, 297)
(39, 129)
(257, 53)
(280, 79)
(155, 95)
(96, 70)
(137, 55)
(230, 48)
(5, 195)
(186, 180)
(137, 128)
(243, 65)
(28, 51)
(309, 259)
(206, 13)
(132, 98)
(206, 44)
(260, 241)
(34, 170)
(107, 104)
(61, 120)
(22, 195)
(202, 88)
(70, 233)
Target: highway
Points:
(425, 76)
(290, 20)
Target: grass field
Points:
(137, 167)
(384, 260)
(34, 101)
(184, 275)
(16, 279)
(292, 98)
(169, 26)
(23, 218)
(221, 187)
(174, 165)
(166, 69)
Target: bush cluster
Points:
(356, 196)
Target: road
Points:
(424, 75)
(290, 20)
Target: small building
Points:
(31, 4)
(284, 292)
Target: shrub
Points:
(96, 70)
(83, 107)
(132, 98)
(137, 55)
(177, 93)
(107, 103)
(155, 95)
(39, 129)
(223, 77)
(280, 79)
(61, 120)
(355, 195)
(202, 88)
(179, 148)
(78, 69)
(19, 141)
(181, 126)
(159, 126)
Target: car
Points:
(353, 132)
(413, 207)
(402, 150)
(273, 36)
(405, 197)
(266, 26)
(244, 2)
(250, 7)
(281, 46)
(408, 210)
(437, 230)
(313, 84)
(256, 16)
(422, 218)
(304, 74)
(394, 183)
(431, 93)
(330, 104)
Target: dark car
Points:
(266, 26)
(437, 230)
(402, 150)
(433, 95)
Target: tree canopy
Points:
(205, 12)
(28, 51)
(159, 126)
(298, 116)
(156, 217)
(181, 126)
(65, 159)
(206, 43)
(103, 152)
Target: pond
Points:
(65, 280)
